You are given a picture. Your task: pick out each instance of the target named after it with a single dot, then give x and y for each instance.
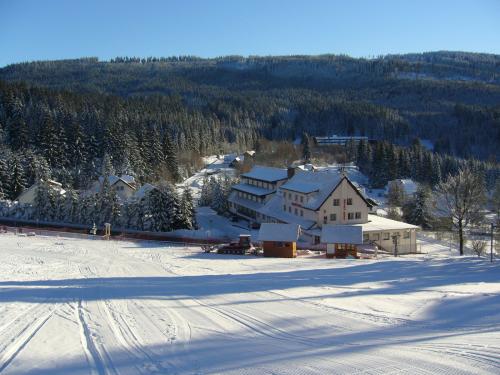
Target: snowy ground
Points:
(71, 306)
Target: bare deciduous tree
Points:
(463, 197)
(478, 246)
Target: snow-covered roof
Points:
(268, 174)
(143, 190)
(378, 223)
(254, 190)
(349, 234)
(279, 232)
(321, 182)
(129, 180)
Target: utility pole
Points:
(395, 241)
(493, 226)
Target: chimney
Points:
(290, 172)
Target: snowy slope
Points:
(71, 306)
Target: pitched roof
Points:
(268, 174)
(379, 223)
(279, 232)
(349, 234)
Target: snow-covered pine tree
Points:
(170, 156)
(44, 203)
(418, 210)
(206, 192)
(3, 177)
(70, 206)
(17, 181)
(186, 210)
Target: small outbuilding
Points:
(279, 240)
(341, 240)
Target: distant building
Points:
(279, 240)
(338, 140)
(124, 186)
(29, 194)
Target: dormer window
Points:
(349, 201)
(336, 202)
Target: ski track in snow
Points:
(146, 308)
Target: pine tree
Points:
(17, 181)
(70, 206)
(395, 195)
(4, 178)
(418, 210)
(171, 159)
(187, 211)
(49, 142)
(18, 134)
(306, 150)
(45, 202)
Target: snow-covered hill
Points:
(70, 306)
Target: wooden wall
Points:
(280, 249)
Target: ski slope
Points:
(70, 306)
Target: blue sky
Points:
(57, 29)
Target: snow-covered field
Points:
(70, 306)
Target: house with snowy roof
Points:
(125, 186)
(314, 199)
(29, 194)
(255, 189)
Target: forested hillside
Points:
(65, 116)
(451, 98)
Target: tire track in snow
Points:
(258, 326)
(131, 340)
(91, 352)
(22, 339)
(468, 352)
(367, 317)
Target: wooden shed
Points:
(342, 240)
(279, 240)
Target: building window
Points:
(296, 211)
(376, 237)
(290, 209)
(296, 197)
(395, 234)
(325, 219)
(349, 201)
(301, 199)
(386, 236)
(290, 196)
(350, 216)
(358, 215)
(406, 234)
(284, 207)
(336, 202)
(301, 213)
(366, 237)
(333, 217)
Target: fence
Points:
(26, 227)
